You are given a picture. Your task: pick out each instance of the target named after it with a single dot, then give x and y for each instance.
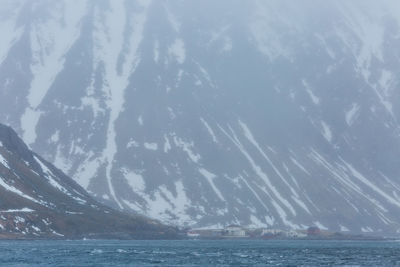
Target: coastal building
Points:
(235, 231)
(271, 232)
(295, 234)
(276, 233)
(192, 234)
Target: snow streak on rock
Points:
(50, 41)
(268, 113)
(9, 29)
(113, 40)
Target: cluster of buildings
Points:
(230, 231)
(236, 231)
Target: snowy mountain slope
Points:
(39, 201)
(268, 113)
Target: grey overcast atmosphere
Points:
(202, 114)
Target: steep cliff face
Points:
(267, 113)
(39, 201)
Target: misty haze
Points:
(274, 115)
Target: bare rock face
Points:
(276, 113)
(38, 201)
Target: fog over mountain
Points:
(272, 113)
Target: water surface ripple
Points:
(199, 253)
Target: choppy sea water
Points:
(199, 253)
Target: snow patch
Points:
(135, 180)
(4, 162)
(368, 183)
(301, 167)
(326, 131)
(16, 191)
(92, 102)
(187, 147)
(313, 97)
(50, 40)
(367, 230)
(210, 178)
(249, 135)
(210, 130)
(9, 33)
(151, 146)
(29, 120)
(177, 50)
(50, 176)
(55, 137)
(254, 193)
(352, 114)
(256, 223)
(132, 143)
(320, 226)
(167, 144)
(86, 171)
(180, 203)
(344, 228)
(301, 204)
(114, 44)
(133, 206)
(62, 162)
(56, 233)
(257, 169)
(172, 19)
(266, 37)
(74, 213)
(17, 210)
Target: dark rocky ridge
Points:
(38, 201)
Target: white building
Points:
(235, 231)
(271, 232)
(277, 232)
(192, 234)
(295, 234)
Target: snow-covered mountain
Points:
(269, 113)
(38, 201)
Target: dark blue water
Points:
(199, 253)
